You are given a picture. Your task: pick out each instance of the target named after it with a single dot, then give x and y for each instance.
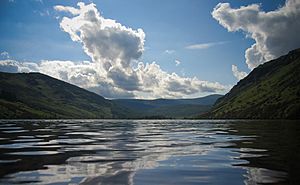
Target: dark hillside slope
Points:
(35, 95)
(270, 91)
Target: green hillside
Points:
(34, 95)
(178, 111)
(270, 91)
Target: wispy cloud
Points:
(169, 51)
(205, 45)
(5, 55)
(177, 62)
(40, 1)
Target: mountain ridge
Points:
(36, 95)
(170, 108)
(270, 91)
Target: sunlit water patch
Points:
(149, 152)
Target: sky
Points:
(146, 49)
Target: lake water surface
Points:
(144, 152)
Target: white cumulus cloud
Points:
(274, 32)
(156, 83)
(12, 66)
(238, 74)
(72, 10)
(107, 42)
(116, 48)
(115, 69)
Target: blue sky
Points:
(30, 31)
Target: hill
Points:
(168, 108)
(270, 91)
(35, 95)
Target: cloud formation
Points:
(177, 62)
(275, 32)
(4, 55)
(116, 50)
(115, 69)
(84, 74)
(238, 74)
(12, 66)
(204, 45)
(156, 82)
(171, 51)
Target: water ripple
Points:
(135, 151)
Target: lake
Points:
(143, 152)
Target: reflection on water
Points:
(149, 152)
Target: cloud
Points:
(275, 32)
(9, 66)
(156, 83)
(126, 81)
(177, 62)
(169, 51)
(115, 49)
(102, 39)
(204, 45)
(115, 69)
(44, 13)
(4, 55)
(238, 74)
(72, 10)
(84, 74)
(12, 66)
(159, 83)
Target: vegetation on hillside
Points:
(270, 91)
(34, 95)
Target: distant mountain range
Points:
(270, 91)
(35, 95)
(168, 108)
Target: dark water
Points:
(149, 152)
